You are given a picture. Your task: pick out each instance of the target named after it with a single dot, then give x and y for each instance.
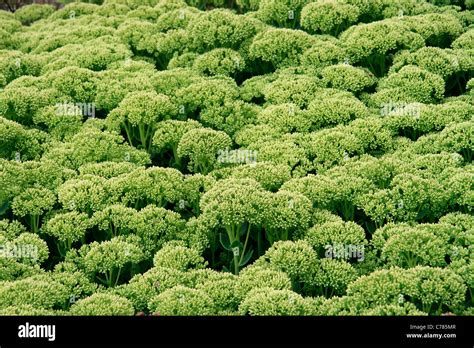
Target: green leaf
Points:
(224, 240)
(236, 244)
(4, 207)
(246, 258)
(269, 236)
(243, 228)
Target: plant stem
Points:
(118, 276)
(230, 233)
(245, 244)
(236, 265)
(127, 131)
(59, 249)
(141, 130)
(107, 278)
(259, 242)
(177, 159)
(213, 250)
(34, 223)
(149, 131)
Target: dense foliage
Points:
(256, 157)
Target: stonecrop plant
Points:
(248, 157)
